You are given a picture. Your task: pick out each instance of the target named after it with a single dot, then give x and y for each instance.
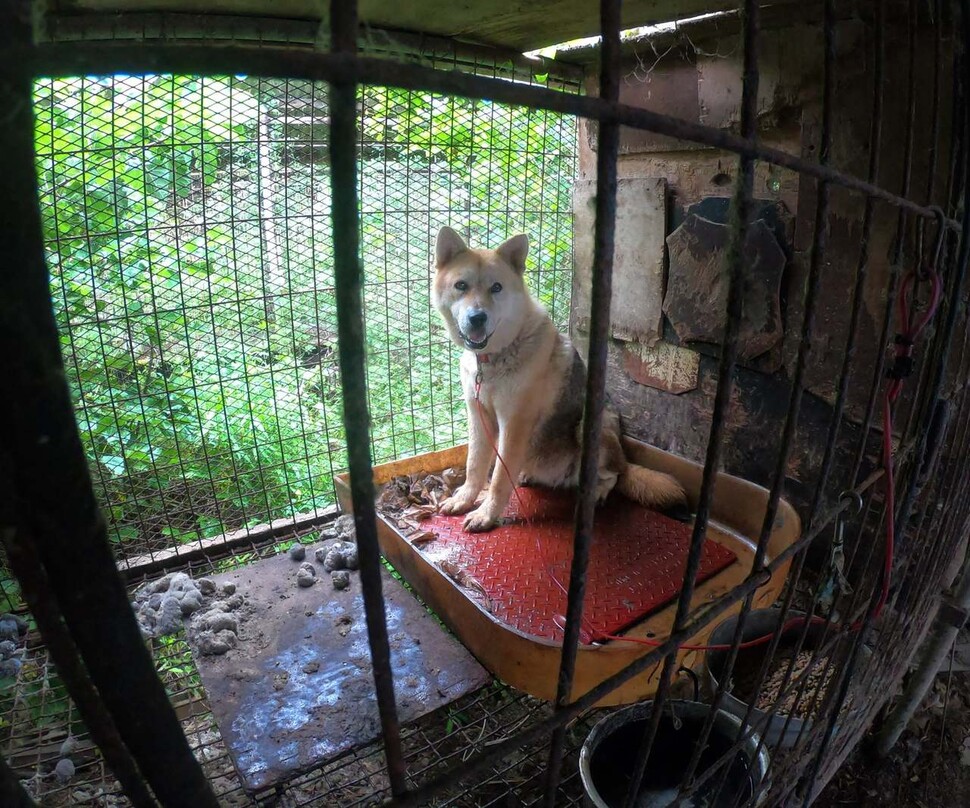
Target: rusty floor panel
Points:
(298, 690)
(636, 564)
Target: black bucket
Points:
(608, 758)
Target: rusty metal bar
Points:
(742, 203)
(12, 793)
(908, 540)
(938, 376)
(837, 665)
(912, 419)
(917, 401)
(930, 558)
(875, 385)
(862, 267)
(897, 253)
(601, 295)
(53, 506)
(819, 242)
(348, 277)
(875, 138)
(927, 551)
(35, 588)
(72, 59)
(943, 347)
(735, 294)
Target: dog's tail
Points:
(653, 489)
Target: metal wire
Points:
(439, 774)
(78, 59)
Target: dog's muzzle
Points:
(472, 344)
(475, 335)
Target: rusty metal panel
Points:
(635, 566)
(298, 689)
(638, 261)
(696, 294)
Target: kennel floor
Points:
(636, 566)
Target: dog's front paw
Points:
(480, 520)
(462, 501)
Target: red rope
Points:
(903, 366)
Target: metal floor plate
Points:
(298, 689)
(636, 563)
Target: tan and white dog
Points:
(532, 385)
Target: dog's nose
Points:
(477, 320)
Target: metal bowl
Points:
(759, 623)
(608, 757)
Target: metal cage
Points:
(57, 540)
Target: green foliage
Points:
(188, 240)
(176, 668)
(37, 698)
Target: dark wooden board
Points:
(299, 690)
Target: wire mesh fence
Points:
(194, 290)
(187, 224)
(187, 230)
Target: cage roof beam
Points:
(510, 24)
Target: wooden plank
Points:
(638, 272)
(298, 688)
(181, 554)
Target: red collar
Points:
(482, 358)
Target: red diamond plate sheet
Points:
(636, 563)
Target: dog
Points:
(527, 382)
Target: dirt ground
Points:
(929, 766)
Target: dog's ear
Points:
(514, 252)
(448, 245)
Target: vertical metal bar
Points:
(875, 138)
(943, 347)
(938, 375)
(53, 505)
(743, 192)
(897, 254)
(602, 285)
(861, 271)
(862, 267)
(820, 238)
(739, 223)
(35, 588)
(12, 793)
(920, 403)
(932, 537)
(348, 273)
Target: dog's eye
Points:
(496, 288)
(461, 286)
